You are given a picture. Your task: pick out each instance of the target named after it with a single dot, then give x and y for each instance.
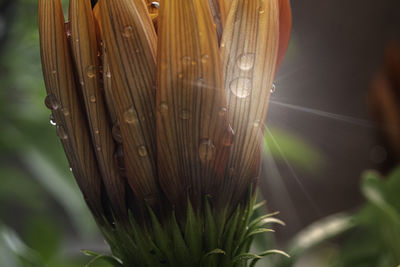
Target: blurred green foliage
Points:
(43, 218)
(369, 237)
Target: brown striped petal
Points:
(216, 15)
(86, 52)
(224, 6)
(249, 49)
(130, 42)
(63, 100)
(193, 137)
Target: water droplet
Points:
(61, 132)
(155, 4)
(92, 99)
(91, 71)
(164, 108)
(52, 121)
(142, 150)
(246, 61)
(65, 111)
(127, 32)
(108, 74)
(96, 131)
(186, 60)
(222, 112)
(52, 102)
(273, 88)
(82, 82)
(119, 157)
(130, 116)
(116, 133)
(200, 82)
(70, 169)
(229, 136)
(241, 87)
(257, 124)
(205, 58)
(185, 114)
(67, 27)
(206, 150)
(77, 40)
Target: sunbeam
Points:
(295, 176)
(339, 117)
(279, 189)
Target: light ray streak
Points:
(344, 118)
(280, 191)
(295, 176)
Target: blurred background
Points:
(319, 139)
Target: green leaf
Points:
(245, 257)
(193, 233)
(374, 189)
(110, 259)
(210, 227)
(259, 221)
(269, 252)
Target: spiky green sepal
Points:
(212, 238)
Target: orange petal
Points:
(63, 100)
(85, 51)
(249, 49)
(191, 104)
(131, 42)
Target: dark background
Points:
(336, 48)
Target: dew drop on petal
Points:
(52, 102)
(222, 112)
(61, 132)
(65, 111)
(241, 87)
(142, 151)
(127, 31)
(228, 137)
(257, 124)
(155, 4)
(186, 60)
(245, 61)
(184, 114)
(164, 108)
(91, 71)
(92, 99)
(205, 58)
(130, 116)
(206, 150)
(52, 121)
(116, 133)
(273, 88)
